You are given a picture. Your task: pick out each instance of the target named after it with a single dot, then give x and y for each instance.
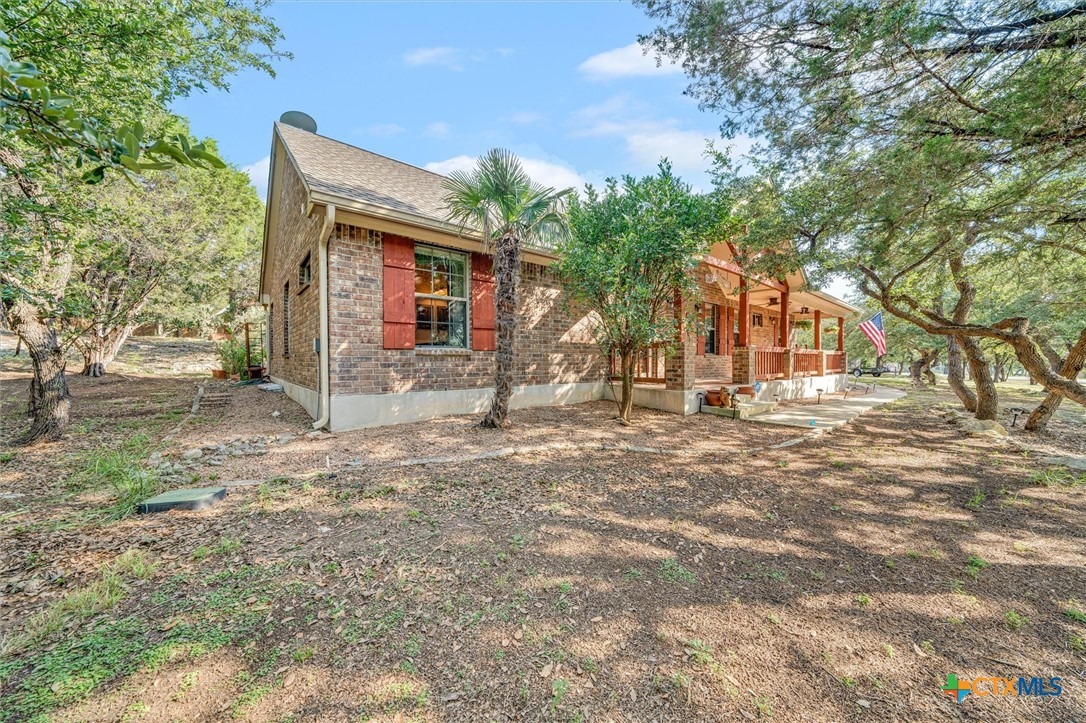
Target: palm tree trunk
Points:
(507, 281)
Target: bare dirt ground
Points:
(840, 578)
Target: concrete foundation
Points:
(355, 411)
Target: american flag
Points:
(872, 329)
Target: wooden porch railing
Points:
(835, 362)
(805, 362)
(649, 366)
(769, 362)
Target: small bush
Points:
(1014, 620)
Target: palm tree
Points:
(500, 201)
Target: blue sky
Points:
(435, 84)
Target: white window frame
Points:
(443, 297)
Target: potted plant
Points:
(232, 359)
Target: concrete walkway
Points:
(830, 414)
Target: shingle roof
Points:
(343, 170)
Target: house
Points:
(380, 311)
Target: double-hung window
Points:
(441, 297)
(713, 321)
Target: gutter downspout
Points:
(322, 254)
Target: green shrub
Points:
(231, 356)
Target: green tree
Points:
(76, 80)
(499, 200)
(183, 238)
(925, 132)
(630, 258)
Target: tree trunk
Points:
(955, 374)
(1073, 363)
(625, 406)
(507, 281)
(929, 375)
(987, 396)
(920, 369)
(50, 402)
(99, 351)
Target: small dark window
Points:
(305, 273)
(756, 320)
(713, 320)
(286, 319)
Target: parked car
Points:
(873, 371)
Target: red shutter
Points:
(482, 303)
(399, 292)
(701, 328)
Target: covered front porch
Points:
(746, 336)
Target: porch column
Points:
(784, 318)
(743, 353)
(744, 313)
(840, 333)
(818, 330)
(679, 367)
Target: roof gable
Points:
(336, 168)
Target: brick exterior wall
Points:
(295, 236)
(719, 366)
(553, 345)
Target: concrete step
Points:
(744, 410)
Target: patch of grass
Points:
(912, 554)
(671, 570)
(122, 471)
(975, 564)
(1074, 614)
(863, 600)
(1057, 477)
(1076, 643)
(6, 457)
(633, 574)
(302, 654)
(224, 546)
(888, 650)
(977, 499)
(1014, 620)
(80, 605)
(559, 690)
(889, 564)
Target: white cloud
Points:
(521, 118)
(556, 174)
(647, 138)
(437, 129)
(258, 176)
(685, 149)
(382, 130)
(625, 62)
(449, 57)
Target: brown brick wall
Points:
(553, 345)
(716, 366)
(295, 236)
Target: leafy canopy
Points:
(499, 199)
(632, 252)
